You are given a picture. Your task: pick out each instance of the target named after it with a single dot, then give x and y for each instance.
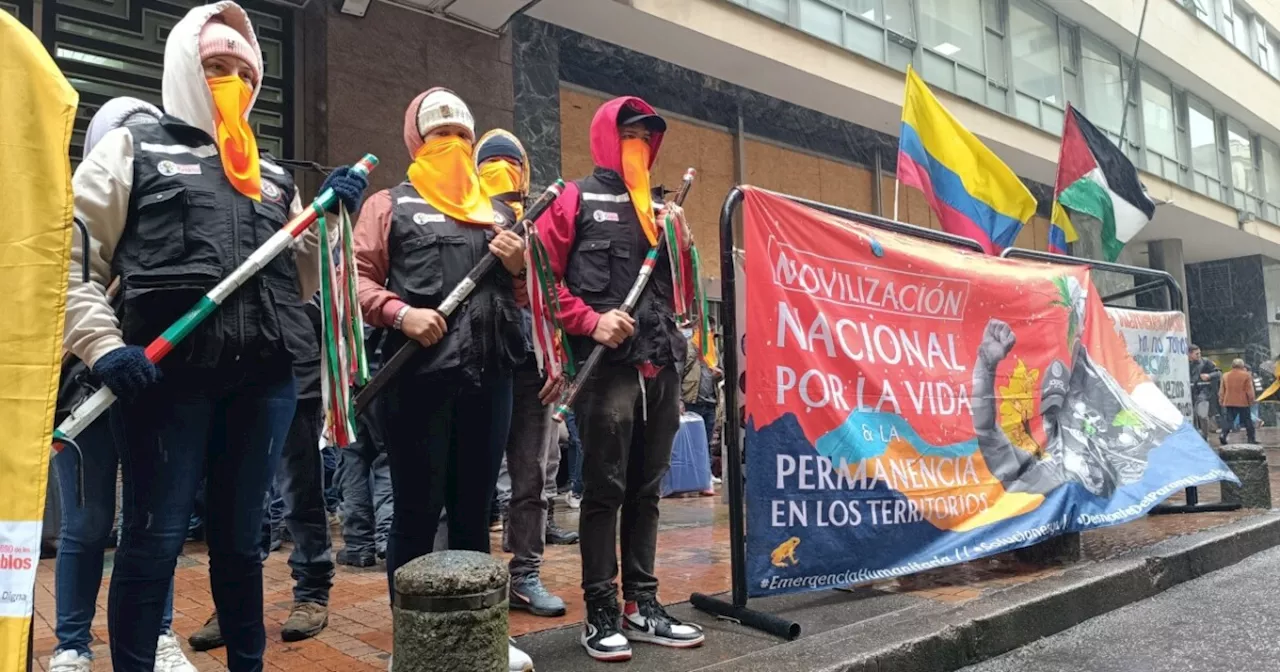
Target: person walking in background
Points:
(87, 529)
(1205, 377)
(698, 389)
(1236, 395)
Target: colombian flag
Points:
(967, 185)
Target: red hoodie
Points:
(556, 227)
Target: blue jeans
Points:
(84, 536)
(364, 476)
(296, 501)
(225, 427)
(332, 493)
(573, 455)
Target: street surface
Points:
(1228, 621)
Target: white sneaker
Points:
(169, 655)
(517, 660)
(574, 501)
(70, 661)
(715, 480)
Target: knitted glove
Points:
(127, 371)
(348, 186)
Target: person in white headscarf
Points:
(87, 526)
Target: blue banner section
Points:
(813, 538)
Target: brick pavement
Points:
(693, 556)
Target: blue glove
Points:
(348, 186)
(127, 371)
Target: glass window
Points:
(1100, 65)
(1204, 146)
(1200, 7)
(1273, 55)
(1240, 154)
(1037, 66)
(864, 38)
(820, 19)
(1157, 114)
(1240, 30)
(1271, 170)
(777, 9)
(953, 28)
(897, 17)
(867, 9)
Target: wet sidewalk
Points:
(693, 557)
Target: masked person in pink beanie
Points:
(171, 209)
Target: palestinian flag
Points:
(1095, 179)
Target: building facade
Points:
(799, 96)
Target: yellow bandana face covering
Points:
(445, 176)
(237, 145)
(635, 174)
(498, 177)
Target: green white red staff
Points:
(97, 404)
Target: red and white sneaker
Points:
(646, 621)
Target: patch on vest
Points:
(604, 216)
(270, 190)
(498, 219)
(424, 218)
(169, 168)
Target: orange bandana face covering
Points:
(236, 144)
(444, 175)
(635, 174)
(498, 177)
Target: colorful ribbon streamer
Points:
(343, 363)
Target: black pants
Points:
(444, 441)
(527, 458)
(1232, 413)
(627, 428)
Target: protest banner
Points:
(1158, 343)
(910, 405)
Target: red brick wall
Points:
(376, 64)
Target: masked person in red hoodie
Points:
(597, 234)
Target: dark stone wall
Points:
(1229, 307)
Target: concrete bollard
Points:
(450, 614)
(1249, 462)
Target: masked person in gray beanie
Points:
(86, 528)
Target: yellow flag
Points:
(38, 107)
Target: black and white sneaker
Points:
(600, 634)
(646, 621)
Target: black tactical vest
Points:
(188, 228)
(608, 250)
(430, 253)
